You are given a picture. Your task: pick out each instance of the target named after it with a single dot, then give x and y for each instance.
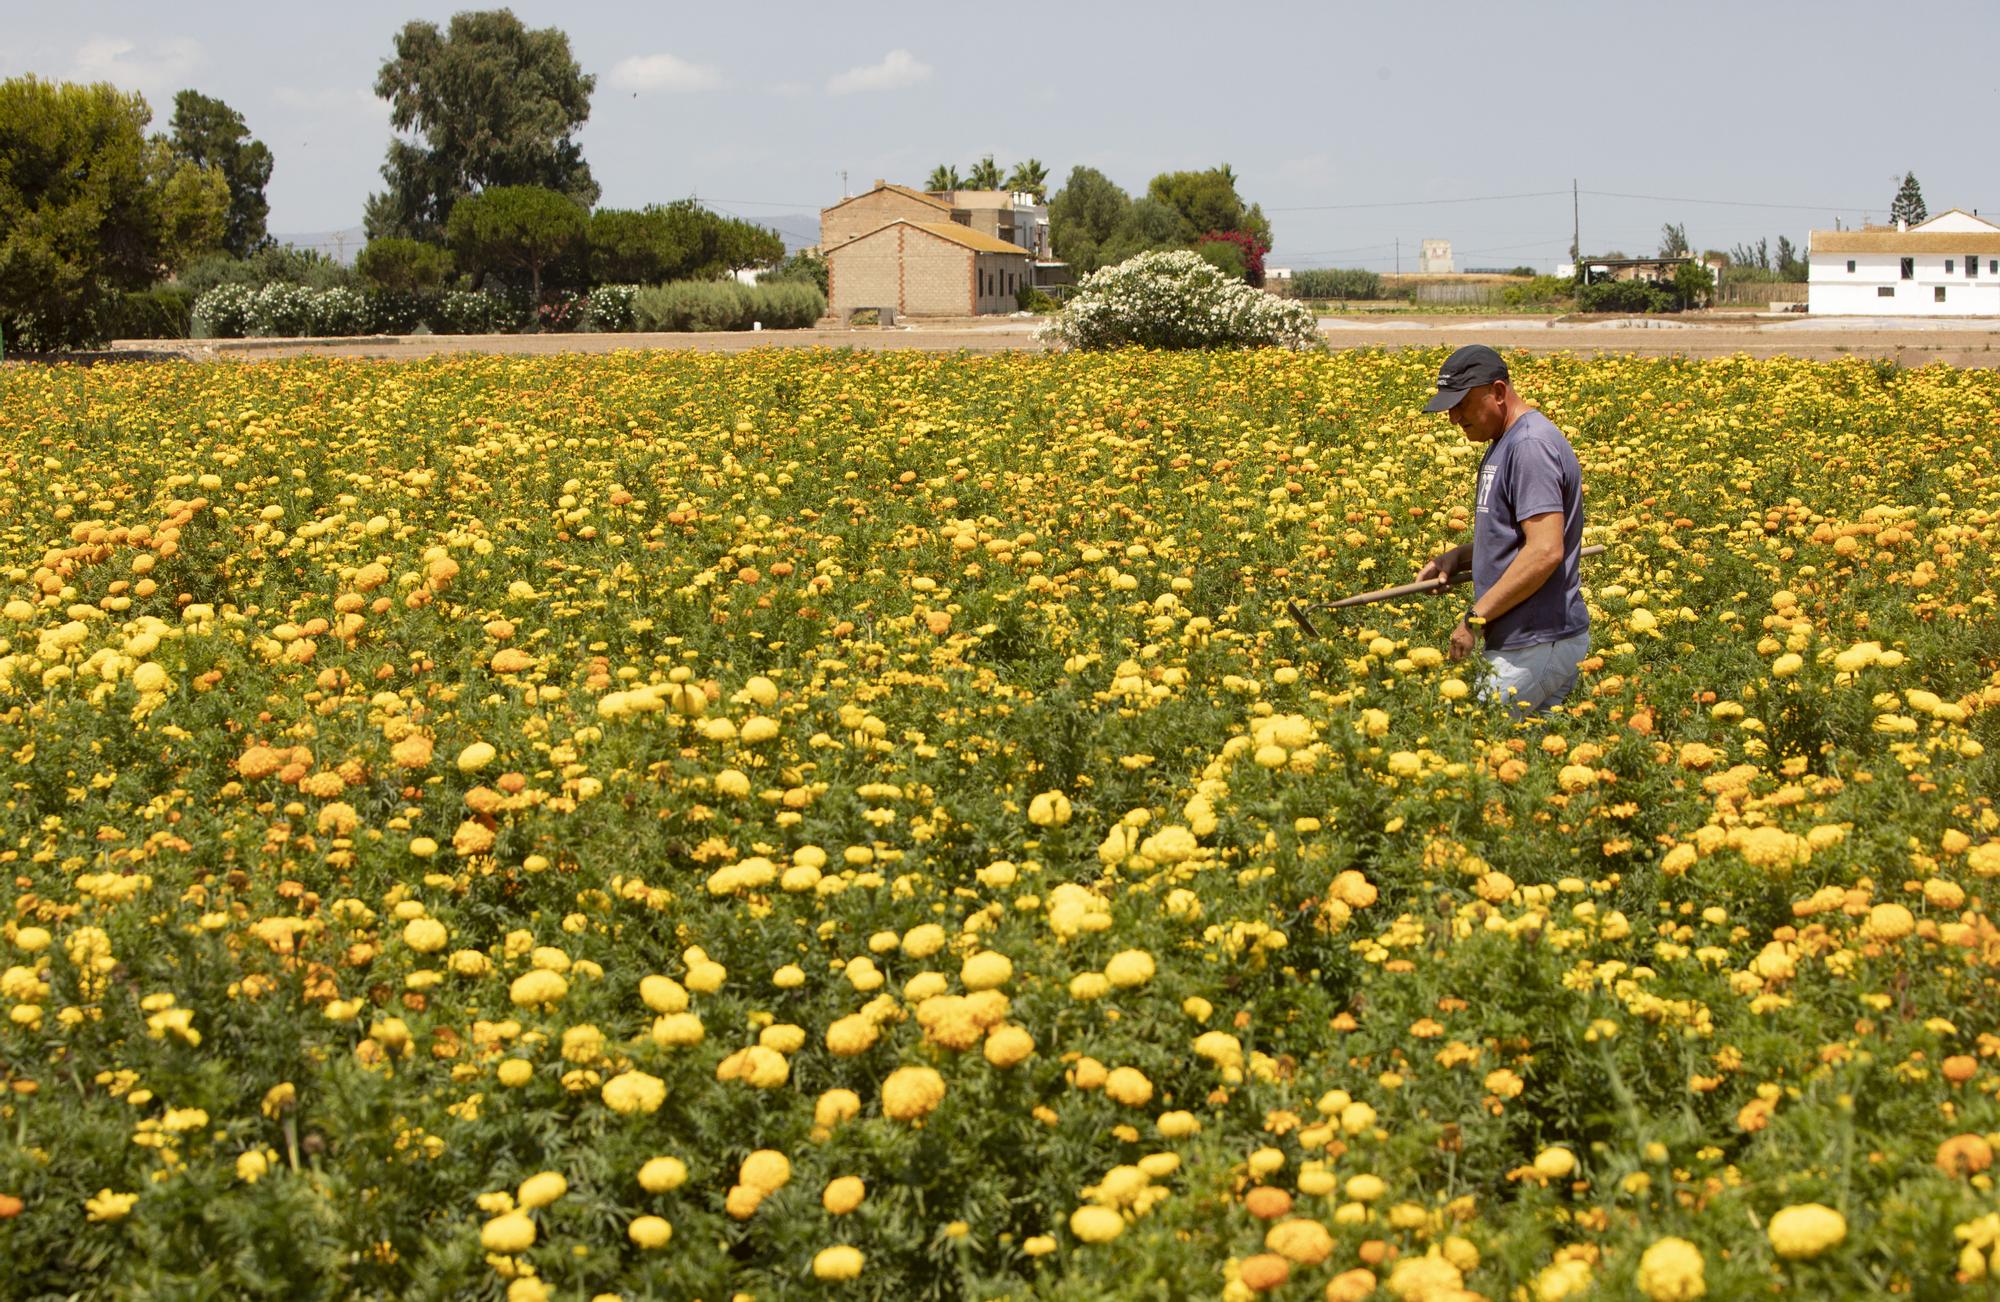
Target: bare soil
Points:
(1970, 343)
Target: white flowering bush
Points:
(223, 312)
(609, 308)
(1177, 300)
(283, 310)
(340, 312)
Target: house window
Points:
(1947, 266)
(1885, 291)
(1937, 295)
(1850, 266)
(1972, 268)
(1993, 266)
(1909, 268)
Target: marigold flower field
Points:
(806, 824)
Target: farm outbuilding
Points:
(925, 268)
(1947, 266)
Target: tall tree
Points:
(1030, 177)
(1083, 215)
(944, 177)
(1908, 205)
(208, 133)
(492, 103)
(89, 207)
(1208, 201)
(985, 175)
(1673, 240)
(1790, 266)
(514, 227)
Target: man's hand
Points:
(1463, 640)
(1441, 567)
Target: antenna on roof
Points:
(845, 193)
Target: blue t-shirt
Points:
(1528, 471)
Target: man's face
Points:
(1482, 412)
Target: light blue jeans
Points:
(1533, 679)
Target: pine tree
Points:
(1908, 206)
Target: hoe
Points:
(1298, 612)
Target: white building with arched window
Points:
(1948, 265)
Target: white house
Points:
(1946, 266)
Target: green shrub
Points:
(1538, 292)
(700, 305)
(1177, 300)
(1626, 296)
(162, 312)
(398, 311)
(609, 308)
(1336, 282)
(400, 264)
(464, 312)
(809, 268)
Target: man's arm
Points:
(1447, 563)
(1541, 552)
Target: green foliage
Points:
(395, 263)
(162, 312)
(1673, 241)
(944, 177)
(88, 209)
(702, 305)
(1693, 284)
(1224, 257)
(514, 227)
(985, 175)
(1538, 292)
(1083, 216)
(1176, 299)
(1030, 177)
(208, 133)
(492, 104)
(807, 268)
(636, 247)
(1790, 266)
(277, 263)
(1908, 205)
(1207, 201)
(1626, 296)
(1336, 282)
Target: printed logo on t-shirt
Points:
(1485, 487)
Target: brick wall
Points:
(1001, 275)
(920, 274)
(866, 273)
(866, 212)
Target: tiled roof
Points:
(970, 238)
(1881, 241)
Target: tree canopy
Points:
(492, 103)
(1094, 223)
(90, 208)
(1908, 205)
(208, 133)
(514, 227)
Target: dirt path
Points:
(1917, 343)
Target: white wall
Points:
(1833, 290)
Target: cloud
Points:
(160, 67)
(354, 102)
(663, 72)
(898, 68)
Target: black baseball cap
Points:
(1466, 369)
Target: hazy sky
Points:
(1793, 113)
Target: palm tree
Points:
(943, 177)
(985, 175)
(1030, 177)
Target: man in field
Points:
(1527, 533)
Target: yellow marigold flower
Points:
(837, 1263)
(1562, 1279)
(1805, 1230)
(911, 1093)
(476, 757)
(662, 1174)
(426, 935)
(1889, 922)
(1038, 1245)
(1301, 1242)
(649, 1232)
(756, 1066)
(923, 941)
(1129, 969)
(1555, 1163)
(986, 970)
(1049, 809)
(836, 1106)
(634, 1092)
(766, 1169)
(1008, 1046)
(843, 1194)
(508, 1234)
(251, 1166)
(1094, 1224)
(527, 1288)
(539, 988)
(1129, 1086)
(412, 752)
(1672, 1271)
(541, 1189)
(1178, 1125)
(849, 1036)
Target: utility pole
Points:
(1575, 224)
(843, 183)
(1399, 255)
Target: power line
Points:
(1735, 203)
(1416, 203)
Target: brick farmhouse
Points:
(922, 254)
